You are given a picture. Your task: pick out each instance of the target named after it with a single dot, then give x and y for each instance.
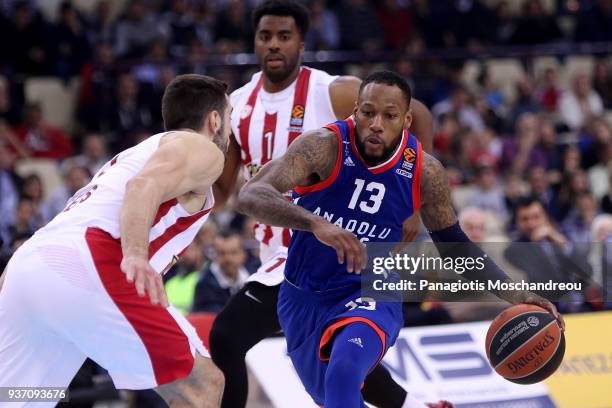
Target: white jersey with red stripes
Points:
(65, 297)
(98, 205)
(264, 124)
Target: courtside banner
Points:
(437, 362)
(584, 379)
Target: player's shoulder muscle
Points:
(343, 92)
(194, 150)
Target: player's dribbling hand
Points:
(533, 299)
(347, 246)
(139, 271)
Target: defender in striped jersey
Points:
(89, 283)
(270, 112)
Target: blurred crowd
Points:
(528, 161)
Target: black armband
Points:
(452, 242)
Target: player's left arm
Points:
(184, 162)
(440, 219)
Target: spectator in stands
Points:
(97, 89)
(23, 225)
(594, 141)
(598, 175)
(523, 150)
(473, 221)
(602, 81)
(101, 26)
(359, 26)
(154, 92)
(224, 277)
(397, 23)
(41, 139)
(147, 72)
(549, 255)
(459, 105)
(137, 30)
(203, 21)
(324, 32)
(581, 104)
(9, 195)
(515, 188)
(540, 186)
(572, 184)
(70, 45)
(10, 110)
(32, 189)
(505, 23)
(27, 47)
(75, 178)
(600, 255)
(548, 93)
(549, 144)
(181, 281)
(9, 140)
(487, 194)
(536, 25)
(180, 27)
(94, 154)
(606, 201)
(128, 115)
(577, 223)
(595, 23)
(525, 101)
(233, 30)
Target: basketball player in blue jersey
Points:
(263, 125)
(367, 175)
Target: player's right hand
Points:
(138, 270)
(347, 246)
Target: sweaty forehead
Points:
(383, 96)
(276, 23)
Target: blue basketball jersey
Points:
(371, 202)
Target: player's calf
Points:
(202, 388)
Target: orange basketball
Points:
(525, 344)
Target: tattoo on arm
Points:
(437, 209)
(310, 159)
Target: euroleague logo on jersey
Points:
(297, 116)
(409, 155)
(407, 163)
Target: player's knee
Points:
(343, 366)
(224, 338)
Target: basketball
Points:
(525, 344)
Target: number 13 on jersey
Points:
(372, 204)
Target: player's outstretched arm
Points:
(440, 219)
(185, 162)
(310, 159)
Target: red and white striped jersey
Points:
(264, 124)
(98, 205)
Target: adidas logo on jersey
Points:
(357, 341)
(348, 161)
